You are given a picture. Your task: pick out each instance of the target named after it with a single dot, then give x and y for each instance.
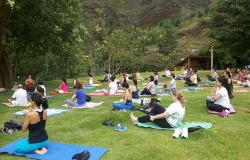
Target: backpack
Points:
(88, 98)
(13, 125)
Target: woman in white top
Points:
(151, 88)
(165, 117)
(219, 100)
(172, 85)
(112, 88)
(192, 81)
(156, 78)
(90, 78)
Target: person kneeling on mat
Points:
(219, 101)
(165, 117)
(127, 99)
(35, 122)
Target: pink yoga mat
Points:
(102, 94)
(60, 93)
(231, 110)
(241, 91)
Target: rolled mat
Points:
(203, 125)
(58, 151)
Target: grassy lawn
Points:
(227, 139)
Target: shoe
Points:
(177, 133)
(81, 156)
(184, 133)
(108, 122)
(120, 127)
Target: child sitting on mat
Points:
(79, 95)
(35, 122)
(127, 99)
(112, 88)
(165, 117)
(219, 101)
(63, 87)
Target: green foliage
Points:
(230, 27)
(45, 33)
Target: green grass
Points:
(227, 139)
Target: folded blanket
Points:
(203, 125)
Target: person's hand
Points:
(152, 118)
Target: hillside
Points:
(186, 14)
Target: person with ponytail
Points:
(134, 89)
(35, 122)
(165, 117)
(229, 86)
(219, 101)
(127, 99)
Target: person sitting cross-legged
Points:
(19, 98)
(127, 99)
(150, 89)
(79, 95)
(219, 100)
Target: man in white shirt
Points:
(19, 98)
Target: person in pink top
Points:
(63, 87)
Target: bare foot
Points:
(248, 110)
(41, 151)
(133, 117)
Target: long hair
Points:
(180, 98)
(64, 80)
(224, 83)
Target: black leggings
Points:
(156, 109)
(146, 91)
(215, 107)
(189, 83)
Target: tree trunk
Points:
(5, 65)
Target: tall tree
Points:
(230, 26)
(5, 67)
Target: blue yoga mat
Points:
(58, 151)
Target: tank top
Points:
(135, 94)
(37, 132)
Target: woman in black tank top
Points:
(35, 122)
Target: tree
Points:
(45, 36)
(229, 25)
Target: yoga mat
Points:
(10, 105)
(158, 94)
(50, 112)
(57, 151)
(102, 94)
(231, 110)
(89, 105)
(88, 87)
(60, 93)
(241, 91)
(203, 125)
